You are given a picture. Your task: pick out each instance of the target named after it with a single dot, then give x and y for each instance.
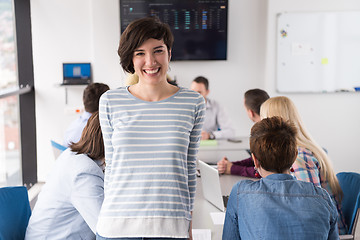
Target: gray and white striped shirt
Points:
(150, 152)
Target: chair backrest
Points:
(350, 185)
(14, 212)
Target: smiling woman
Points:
(151, 62)
(151, 133)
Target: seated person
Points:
(69, 203)
(91, 96)
(278, 206)
(312, 163)
(253, 99)
(217, 125)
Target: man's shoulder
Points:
(213, 103)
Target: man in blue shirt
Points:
(91, 96)
(278, 206)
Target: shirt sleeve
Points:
(244, 168)
(306, 168)
(224, 124)
(334, 229)
(87, 195)
(107, 132)
(194, 143)
(231, 224)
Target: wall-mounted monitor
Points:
(76, 73)
(199, 26)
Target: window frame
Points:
(26, 100)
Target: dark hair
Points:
(254, 98)
(91, 141)
(136, 33)
(92, 94)
(273, 142)
(202, 80)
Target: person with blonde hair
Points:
(312, 163)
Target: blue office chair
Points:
(14, 212)
(350, 185)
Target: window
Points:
(17, 99)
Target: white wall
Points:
(88, 31)
(333, 118)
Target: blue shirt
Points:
(280, 207)
(73, 133)
(69, 203)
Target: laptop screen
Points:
(76, 73)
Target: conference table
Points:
(203, 209)
(212, 151)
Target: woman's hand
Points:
(224, 166)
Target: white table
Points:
(233, 151)
(202, 208)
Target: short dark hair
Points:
(136, 33)
(92, 94)
(203, 80)
(254, 98)
(273, 143)
(91, 141)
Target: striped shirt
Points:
(307, 168)
(150, 174)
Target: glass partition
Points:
(10, 149)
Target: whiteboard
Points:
(318, 52)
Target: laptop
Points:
(76, 74)
(211, 186)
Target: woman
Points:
(312, 164)
(278, 206)
(151, 133)
(69, 203)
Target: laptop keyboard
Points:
(225, 199)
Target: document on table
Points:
(201, 234)
(218, 218)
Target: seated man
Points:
(278, 206)
(91, 96)
(217, 125)
(253, 99)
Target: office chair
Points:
(57, 148)
(14, 212)
(350, 185)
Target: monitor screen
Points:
(199, 26)
(76, 73)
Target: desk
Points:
(233, 151)
(202, 208)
